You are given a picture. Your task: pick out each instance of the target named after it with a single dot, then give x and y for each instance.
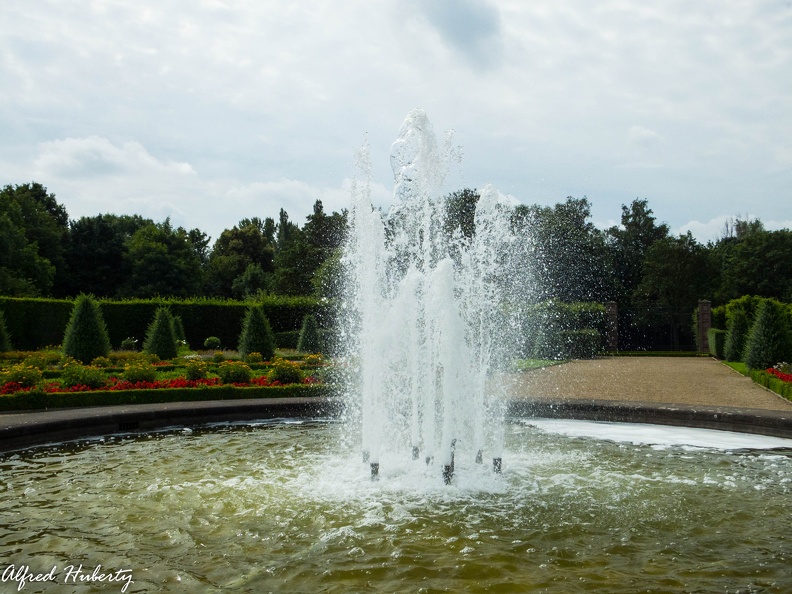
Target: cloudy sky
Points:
(210, 111)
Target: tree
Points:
(97, 254)
(45, 225)
(86, 334)
(256, 335)
(757, 263)
(161, 337)
(251, 282)
(5, 337)
(24, 270)
(566, 257)
(768, 340)
(309, 341)
(251, 242)
(677, 272)
(737, 328)
(629, 243)
(162, 261)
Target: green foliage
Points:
(160, 337)
(256, 334)
(102, 362)
(86, 335)
(310, 341)
(284, 371)
(196, 369)
(771, 382)
(35, 323)
(768, 340)
(39, 400)
(716, 339)
(580, 344)
(178, 329)
(74, 374)
(129, 344)
(736, 333)
(234, 372)
(38, 360)
(26, 376)
(5, 337)
(254, 358)
(140, 371)
(212, 343)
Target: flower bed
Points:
(784, 377)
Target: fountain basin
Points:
(289, 506)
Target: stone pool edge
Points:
(19, 430)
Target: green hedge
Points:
(34, 323)
(771, 382)
(544, 329)
(717, 340)
(40, 400)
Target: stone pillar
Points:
(611, 326)
(704, 324)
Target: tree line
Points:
(656, 277)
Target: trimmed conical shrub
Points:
(768, 341)
(86, 334)
(5, 337)
(736, 333)
(309, 341)
(178, 329)
(256, 336)
(160, 337)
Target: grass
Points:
(531, 364)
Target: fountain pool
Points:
(277, 506)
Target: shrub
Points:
(256, 334)
(580, 344)
(284, 371)
(129, 344)
(160, 338)
(218, 357)
(74, 374)
(26, 376)
(39, 361)
(195, 369)
(736, 333)
(768, 340)
(716, 339)
(309, 341)
(254, 358)
(212, 343)
(5, 337)
(140, 371)
(86, 334)
(178, 329)
(234, 372)
(314, 359)
(102, 362)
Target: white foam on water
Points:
(661, 435)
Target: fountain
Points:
(286, 505)
(424, 305)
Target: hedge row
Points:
(558, 330)
(717, 341)
(40, 400)
(36, 323)
(771, 382)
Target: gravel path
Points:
(697, 381)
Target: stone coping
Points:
(26, 429)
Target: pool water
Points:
(290, 507)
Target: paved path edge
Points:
(26, 429)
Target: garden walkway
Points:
(691, 381)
